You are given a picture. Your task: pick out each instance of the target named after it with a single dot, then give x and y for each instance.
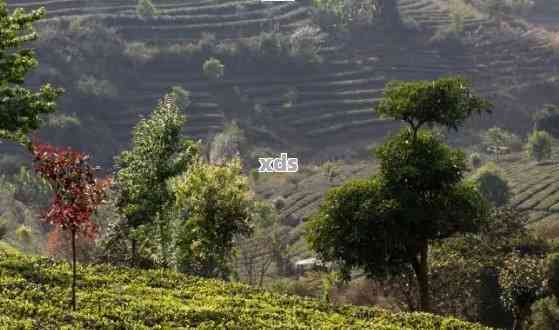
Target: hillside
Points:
(132, 299)
(332, 111)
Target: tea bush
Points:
(34, 295)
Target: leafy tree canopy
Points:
(447, 102)
(21, 108)
(218, 205)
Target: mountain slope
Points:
(34, 294)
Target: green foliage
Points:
(182, 97)
(547, 120)
(21, 108)
(492, 184)
(545, 314)
(349, 14)
(217, 205)
(539, 145)
(91, 86)
(522, 280)
(3, 228)
(159, 152)
(213, 69)
(31, 189)
(475, 160)
(499, 137)
(447, 102)
(553, 273)
(229, 144)
(145, 9)
(134, 299)
(305, 44)
(140, 53)
(24, 234)
(384, 225)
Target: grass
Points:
(35, 293)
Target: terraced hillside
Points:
(515, 67)
(535, 188)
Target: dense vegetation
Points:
(34, 295)
(453, 214)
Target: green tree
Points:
(145, 9)
(491, 183)
(21, 108)
(447, 102)
(539, 145)
(217, 205)
(385, 225)
(522, 280)
(158, 153)
(213, 69)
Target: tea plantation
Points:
(34, 294)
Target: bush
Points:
(182, 96)
(539, 145)
(499, 137)
(545, 314)
(475, 160)
(3, 228)
(553, 273)
(547, 120)
(34, 292)
(140, 53)
(145, 9)
(348, 15)
(228, 144)
(91, 86)
(522, 280)
(492, 185)
(305, 44)
(213, 69)
(24, 234)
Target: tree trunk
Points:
(421, 268)
(520, 317)
(134, 251)
(74, 269)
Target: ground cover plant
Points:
(34, 295)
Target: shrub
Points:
(228, 144)
(182, 97)
(475, 160)
(522, 279)
(553, 273)
(3, 228)
(350, 14)
(140, 53)
(499, 137)
(545, 314)
(213, 69)
(290, 97)
(305, 44)
(91, 86)
(547, 120)
(145, 9)
(24, 234)
(31, 188)
(539, 145)
(34, 289)
(492, 185)
(279, 203)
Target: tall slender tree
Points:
(385, 225)
(77, 193)
(158, 153)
